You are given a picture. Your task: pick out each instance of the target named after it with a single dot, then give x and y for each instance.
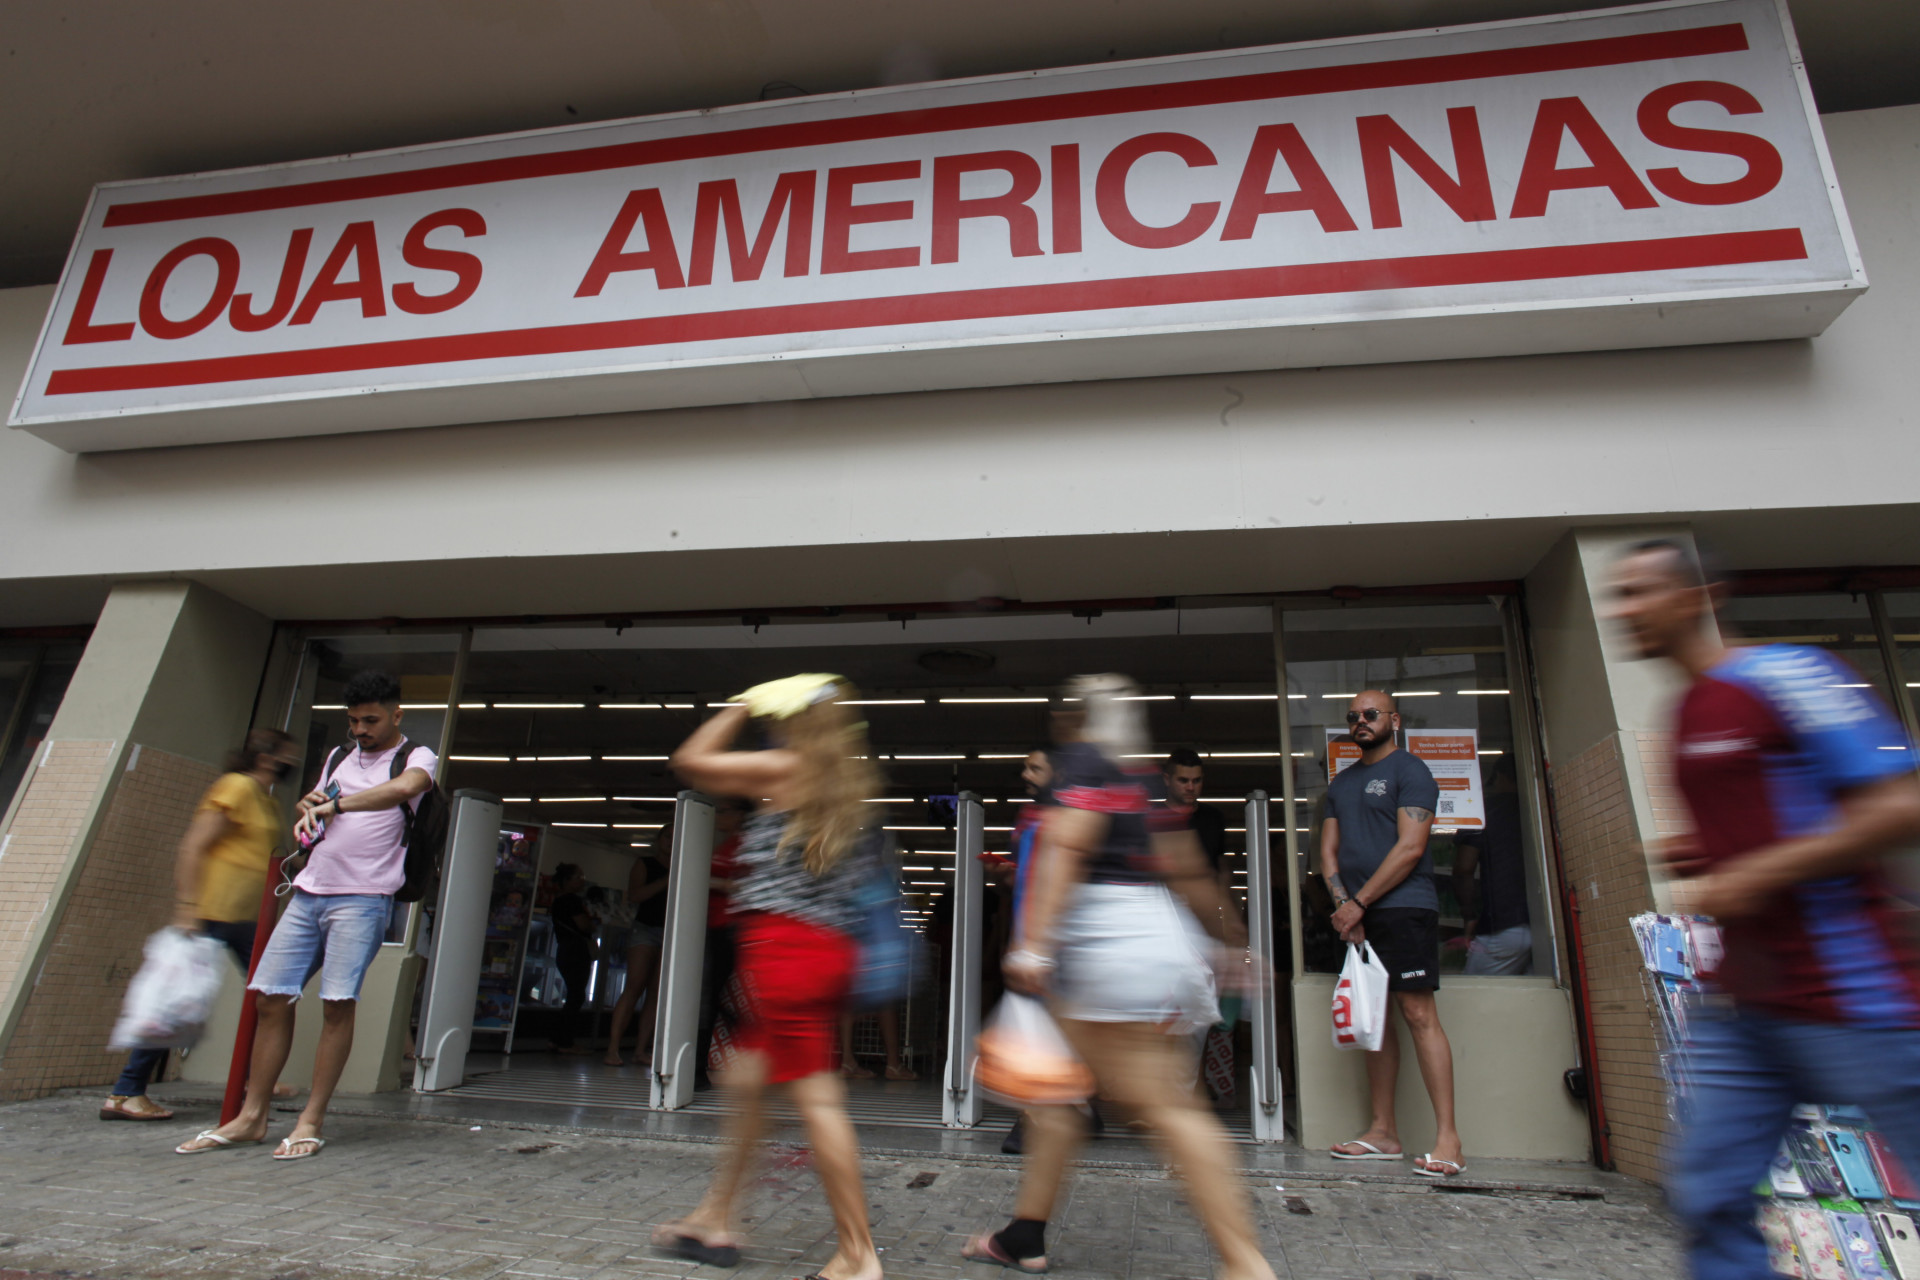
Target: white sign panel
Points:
(1634, 177)
(1453, 757)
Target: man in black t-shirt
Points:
(1373, 853)
(1184, 778)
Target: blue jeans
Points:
(1746, 1070)
(335, 935)
(142, 1064)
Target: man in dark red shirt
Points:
(1799, 781)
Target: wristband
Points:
(1031, 959)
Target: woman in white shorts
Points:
(1109, 933)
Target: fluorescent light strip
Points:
(919, 868)
(885, 702)
(517, 800)
(1481, 693)
(1493, 753)
(552, 759)
(979, 700)
(630, 706)
(637, 826)
(1240, 755)
(473, 706)
(636, 757)
(726, 704)
(913, 828)
(573, 799)
(1147, 697)
(538, 706)
(1849, 686)
(648, 799)
(1234, 697)
(1416, 693)
(597, 825)
(484, 759)
(441, 706)
(329, 706)
(996, 828)
(1144, 755)
(961, 756)
(928, 884)
(1339, 695)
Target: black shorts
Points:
(1407, 940)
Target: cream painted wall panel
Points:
(1567, 439)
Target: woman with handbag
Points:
(1109, 934)
(806, 864)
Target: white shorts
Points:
(1134, 953)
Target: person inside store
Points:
(1490, 880)
(342, 899)
(805, 860)
(1800, 785)
(573, 937)
(888, 1020)
(722, 878)
(1110, 935)
(647, 895)
(1374, 857)
(218, 874)
(1185, 776)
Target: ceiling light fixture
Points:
(538, 706)
(979, 700)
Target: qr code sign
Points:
(1446, 806)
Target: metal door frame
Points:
(676, 1025)
(1267, 1106)
(453, 973)
(960, 1102)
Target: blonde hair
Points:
(1113, 720)
(836, 778)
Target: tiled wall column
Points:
(165, 688)
(1606, 730)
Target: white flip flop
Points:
(1371, 1153)
(1453, 1170)
(285, 1150)
(207, 1135)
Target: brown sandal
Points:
(119, 1107)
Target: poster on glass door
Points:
(1453, 757)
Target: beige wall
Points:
(165, 686)
(1789, 453)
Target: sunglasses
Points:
(1370, 714)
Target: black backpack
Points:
(424, 825)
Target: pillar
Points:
(1605, 720)
(165, 688)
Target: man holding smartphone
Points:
(1373, 853)
(1800, 782)
(342, 900)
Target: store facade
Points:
(1249, 539)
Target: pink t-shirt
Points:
(364, 852)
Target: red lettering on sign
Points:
(1064, 191)
(226, 261)
(241, 314)
(1763, 162)
(717, 204)
(358, 243)
(1110, 192)
(1470, 195)
(464, 267)
(843, 215)
(659, 257)
(81, 327)
(1316, 195)
(1023, 224)
(1541, 174)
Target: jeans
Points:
(1507, 951)
(1745, 1071)
(335, 935)
(143, 1064)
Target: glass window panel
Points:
(1448, 666)
(1840, 624)
(1903, 616)
(33, 679)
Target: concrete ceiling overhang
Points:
(99, 90)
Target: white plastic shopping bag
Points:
(1360, 1000)
(1025, 1061)
(169, 1000)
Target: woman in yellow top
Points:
(218, 876)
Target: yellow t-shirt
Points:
(235, 868)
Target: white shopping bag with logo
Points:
(1360, 1000)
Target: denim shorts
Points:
(334, 935)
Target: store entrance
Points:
(572, 727)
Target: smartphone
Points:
(1855, 1164)
(332, 792)
(1819, 1252)
(1902, 1243)
(1785, 1178)
(1893, 1175)
(1858, 1245)
(1783, 1255)
(1815, 1163)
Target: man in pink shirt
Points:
(342, 901)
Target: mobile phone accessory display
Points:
(1855, 1163)
(1893, 1175)
(1858, 1245)
(1901, 1243)
(1820, 1254)
(1785, 1177)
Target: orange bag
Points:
(1025, 1061)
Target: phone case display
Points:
(509, 909)
(1836, 1198)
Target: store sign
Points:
(1636, 177)
(1452, 756)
